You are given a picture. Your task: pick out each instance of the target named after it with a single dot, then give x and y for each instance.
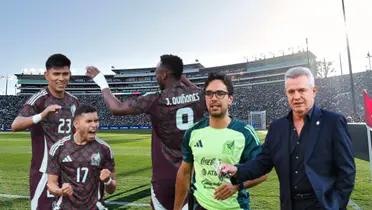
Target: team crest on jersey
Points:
(54, 205)
(228, 148)
(73, 109)
(95, 160)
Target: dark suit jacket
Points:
(329, 161)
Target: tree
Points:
(324, 68)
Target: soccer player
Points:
(216, 138)
(173, 109)
(48, 114)
(82, 161)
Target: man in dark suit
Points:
(310, 149)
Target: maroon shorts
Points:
(163, 195)
(41, 199)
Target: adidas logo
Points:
(67, 159)
(199, 144)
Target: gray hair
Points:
(300, 71)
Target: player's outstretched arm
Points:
(109, 179)
(115, 106)
(21, 123)
(182, 184)
(55, 190)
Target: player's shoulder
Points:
(154, 93)
(70, 95)
(37, 96)
(102, 142)
(199, 125)
(246, 129)
(60, 144)
(239, 125)
(105, 146)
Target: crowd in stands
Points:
(334, 94)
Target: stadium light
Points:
(307, 54)
(369, 59)
(6, 77)
(349, 59)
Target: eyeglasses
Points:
(220, 94)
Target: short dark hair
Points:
(224, 78)
(83, 109)
(57, 61)
(174, 64)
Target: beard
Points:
(221, 114)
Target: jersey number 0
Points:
(179, 118)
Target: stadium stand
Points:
(259, 87)
(334, 95)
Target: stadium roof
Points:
(192, 65)
(41, 76)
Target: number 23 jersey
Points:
(51, 129)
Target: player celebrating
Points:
(173, 109)
(48, 114)
(82, 161)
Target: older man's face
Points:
(300, 94)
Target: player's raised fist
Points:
(105, 175)
(66, 189)
(92, 71)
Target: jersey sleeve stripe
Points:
(107, 145)
(72, 95)
(59, 143)
(253, 133)
(35, 97)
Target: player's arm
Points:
(109, 179)
(130, 107)
(182, 184)
(53, 187)
(29, 116)
(108, 175)
(187, 82)
(53, 171)
(184, 172)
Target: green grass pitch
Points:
(133, 165)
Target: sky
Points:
(133, 34)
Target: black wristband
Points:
(240, 186)
(234, 180)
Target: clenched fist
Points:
(92, 71)
(66, 189)
(105, 175)
(51, 109)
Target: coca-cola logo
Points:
(207, 161)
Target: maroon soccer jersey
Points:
(51, 129)
(80, 166)
(43, 135)
(172, 111)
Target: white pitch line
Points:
(108, 202)
(128, 204)
(354, 205)
(14, 196)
